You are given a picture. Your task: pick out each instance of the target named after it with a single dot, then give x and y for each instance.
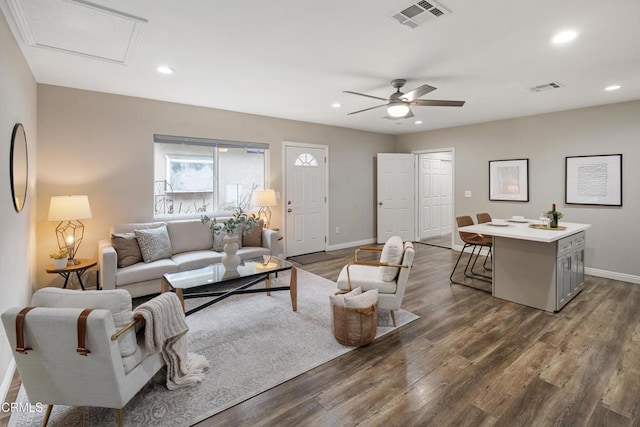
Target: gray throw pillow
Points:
(127, 249)
(154, 243)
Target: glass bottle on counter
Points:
(554, 216)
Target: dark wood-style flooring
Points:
(471, 360)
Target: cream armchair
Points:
(62, 362)
(389, 275)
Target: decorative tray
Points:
(542, 227)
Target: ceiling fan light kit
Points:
(397, 109)
(398, 102)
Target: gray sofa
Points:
(191, 247)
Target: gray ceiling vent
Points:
(547, 86)
(416, 14)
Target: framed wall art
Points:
(509, 180)
(594, 180)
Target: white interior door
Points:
(435, 194)
(429, 189)
(396, 196)
(446, 196)
(305, 199)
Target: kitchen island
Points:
(539, 268)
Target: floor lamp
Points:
(69, 210)
(265, 199)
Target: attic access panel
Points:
(78, 27)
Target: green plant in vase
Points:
(555, 216)
(59, 258)
(240, 223)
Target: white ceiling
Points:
(292, 59)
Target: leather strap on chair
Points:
(82, 331)
(20, 348)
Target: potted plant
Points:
(59, 259)
(554, 216)
(240, 223)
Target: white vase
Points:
(60, 263)
(230, 259)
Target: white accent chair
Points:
(59, 365)
(389, 275)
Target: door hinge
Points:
(325, 239)
(325, 199)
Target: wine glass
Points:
(546, 219)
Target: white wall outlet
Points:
(467, 193)
(337, 230)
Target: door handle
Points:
(380, 203)
(289, 210)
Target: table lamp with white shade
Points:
(69, 210)
(264, 199)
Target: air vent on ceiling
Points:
(418, 13)
(548, 86)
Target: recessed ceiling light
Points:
(564, 37)
(164, 69)
(612, 87)
(418, 122)
(336, 105)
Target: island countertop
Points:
(523, 231)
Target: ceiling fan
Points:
(398, 103)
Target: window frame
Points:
(215, 144)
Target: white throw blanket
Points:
(166, 331)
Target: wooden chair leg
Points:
(393, 318)
(119, 417)
(47, 415)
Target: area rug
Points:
(311, 258)
(253, 342)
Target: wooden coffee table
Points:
(215, 282)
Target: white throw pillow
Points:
(154, 243)
(364, 300)
(338, 299)
(391, 254)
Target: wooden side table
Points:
(82, 266)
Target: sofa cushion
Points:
(254, 237)
(117, 301)
(189, 235)
(127, 249)
(196, 259)
(392, 254)
(252, 252)
(142, 272)
(154, 243)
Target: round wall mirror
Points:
(19, 168)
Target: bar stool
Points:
(473, 241)
(483, 218)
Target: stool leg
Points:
(47, 415)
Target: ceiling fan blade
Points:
(366, 109)
(362, 94)
(417, 92)
(437, 103)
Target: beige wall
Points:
(17, 105)
(102, 145)
(545, 140)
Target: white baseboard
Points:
(350, 244)
(623, 277)
(6, 381)
(614, 275)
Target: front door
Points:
(306, 201)
(396, 198)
